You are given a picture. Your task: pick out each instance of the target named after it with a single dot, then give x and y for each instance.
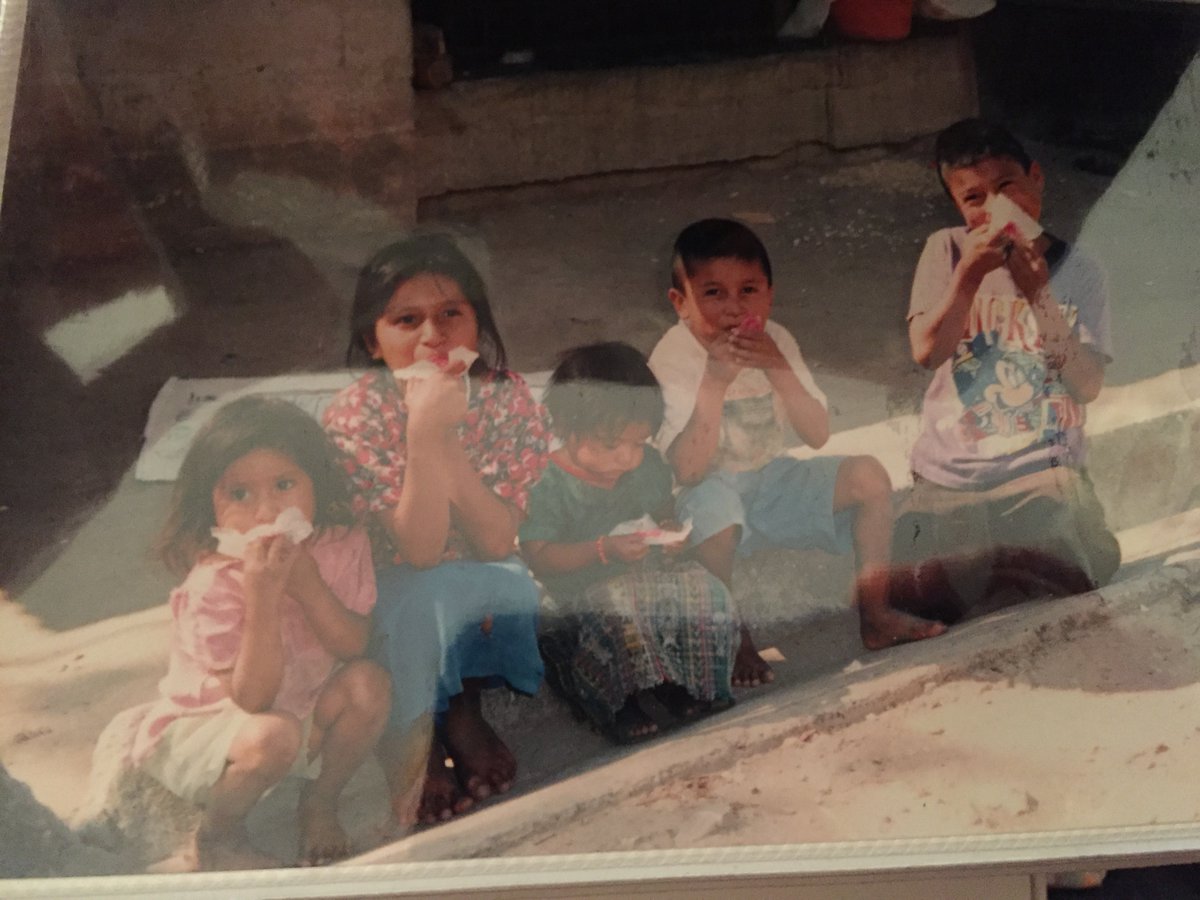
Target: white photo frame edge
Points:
(858, 862)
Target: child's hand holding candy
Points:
(267, 568)
(624, 547)
(436, 404)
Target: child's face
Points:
(606, 457)
(972, 186)
(719, 294)
(257, 487)
(427, 317)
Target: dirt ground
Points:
(1016, 723)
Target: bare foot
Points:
(483, 763)
(883, 627)
(678, 702)
(925, 591)
(210, 850)
(750, 669)
(322, 839)
(684, 707)
(631, 723)
(441, 797)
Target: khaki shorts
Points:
(1055, 511)
(192, 752)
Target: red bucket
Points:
(872, 20)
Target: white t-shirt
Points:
(754, 424)
(994, 411)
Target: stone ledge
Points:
(553, 126)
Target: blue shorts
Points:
(786, 503)
(426, 632)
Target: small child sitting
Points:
(264, 677)
(1015, 324)
(738, 396)
(636, 629)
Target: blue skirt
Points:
(426, 631)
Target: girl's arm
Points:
(490, 514)
(420, 522)
(258, 671)
(341, 631)
(553, 558)
(488, 522)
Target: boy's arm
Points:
(778, 355)
(691, 453)
(808, 418)
(1080, 365)
(934, 331)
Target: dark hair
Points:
(238, 428)
(601, 388)
(423, 254)
(971, 141)
(711, 239)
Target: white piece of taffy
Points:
(290, 523)
(1003, 213)
(649, 531)
(426, 367)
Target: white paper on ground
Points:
(290, 522)
(1002, 212)
(647, 529)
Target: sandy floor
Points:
(1082, 713)
(964, 758)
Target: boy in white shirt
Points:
(738, 396)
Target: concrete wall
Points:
(116, 95)
(551, 126)
(244, 72)
(132, 101)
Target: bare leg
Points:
(863, 485)
(349, 717)
(483, 763)
(716, 554)
(405, 757)
(261, 754)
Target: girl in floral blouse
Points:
(442, 448)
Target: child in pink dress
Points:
(264, 677)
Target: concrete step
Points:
(550, 126)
